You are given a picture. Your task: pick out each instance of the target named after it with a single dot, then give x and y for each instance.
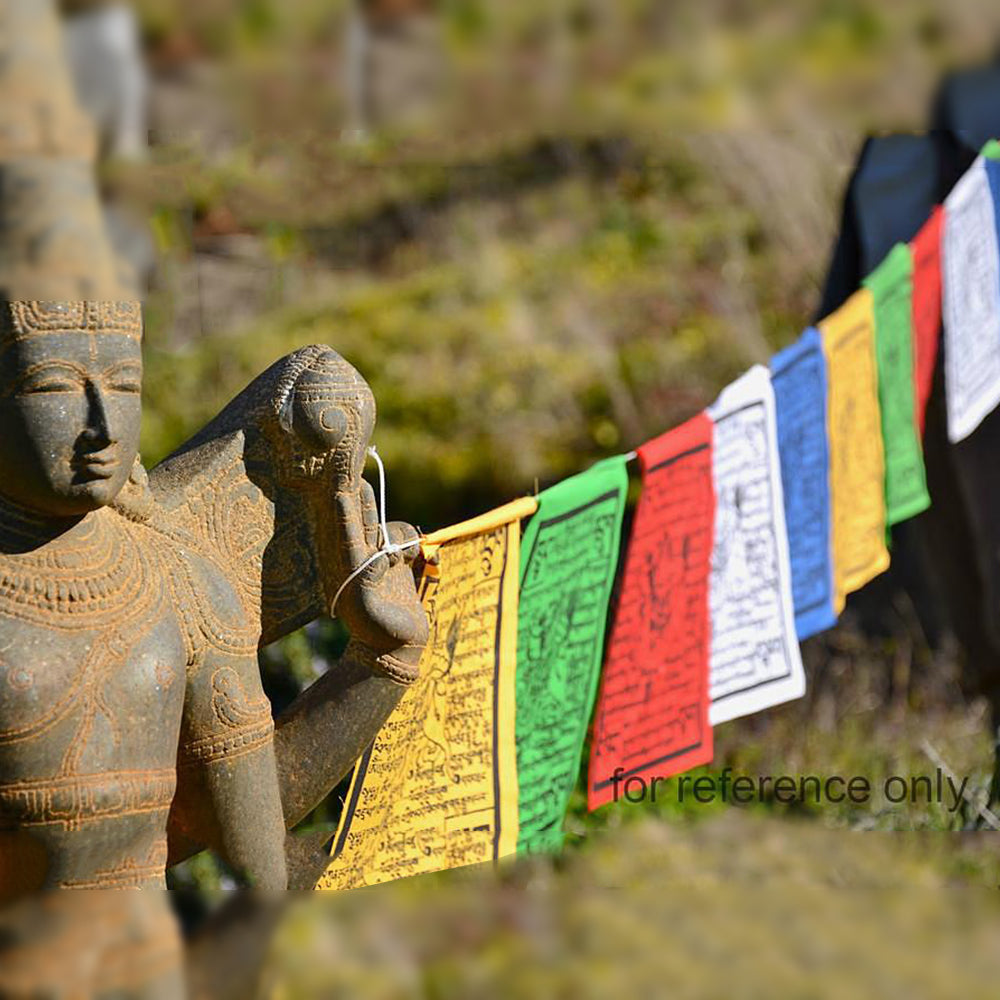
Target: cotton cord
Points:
(388, 548)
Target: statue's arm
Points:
(317, 741)
(227, 761)
(273, 486)
(320, 736)
(330, 725)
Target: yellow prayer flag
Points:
(516, 510)
(438, 788)
(857, 462)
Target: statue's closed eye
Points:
(48, 385)
(62, 376)
(50, 377)
(123, 377)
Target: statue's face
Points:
(70, 410)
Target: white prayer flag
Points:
(755, 661)
(971, 302)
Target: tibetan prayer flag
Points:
(798, 377)
(971, 298)
(857, 461)
(569, 555)
(891, 285)
(926, 250)
(652, 711)
(438, 788)
(754, 661)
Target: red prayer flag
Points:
(652, 713)
(926, 249)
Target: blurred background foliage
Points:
(590, 216)
(612, 210)
(742, 907)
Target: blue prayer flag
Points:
(798, 375)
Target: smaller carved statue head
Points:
(70, 403)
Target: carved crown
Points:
(19, 320)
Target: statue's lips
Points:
(96, 464)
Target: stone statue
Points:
(133, 726)
(121, 641)
(131, 607)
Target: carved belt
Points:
(75, 799)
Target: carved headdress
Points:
(32, 318)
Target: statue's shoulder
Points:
(256, 486)
(193, 547)
(217, 513)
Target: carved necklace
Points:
(81, 582)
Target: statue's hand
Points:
(380, 606)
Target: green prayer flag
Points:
(568, 559)
(992, 150)
(891, 285)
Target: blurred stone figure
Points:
(109, 73)
(92, 945)
(49, 213)
(395, 60)
(109, 76)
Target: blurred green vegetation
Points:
(541, 352)
(735, 906)
(528, 282)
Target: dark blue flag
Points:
(798, 374)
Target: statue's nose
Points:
(98, 425)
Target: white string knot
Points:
(387, 548)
